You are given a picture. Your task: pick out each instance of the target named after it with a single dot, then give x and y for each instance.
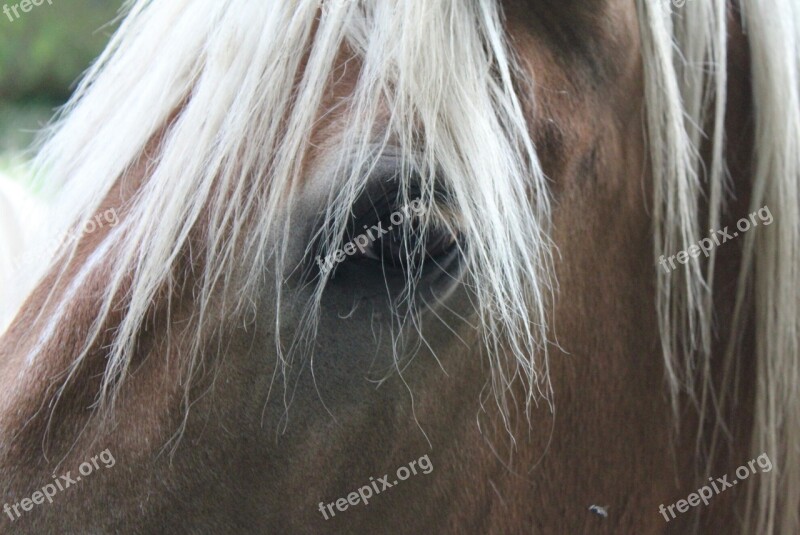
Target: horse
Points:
(398, 267)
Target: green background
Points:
(42, 55)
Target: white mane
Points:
(230, 160)
(685, 74)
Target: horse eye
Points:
(397, 239)
(406, 247)
(391, 234)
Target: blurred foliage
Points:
(44, 51)
(19, 122)
(42, 55)
(18, 125)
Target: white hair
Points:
(220, 77)
(20, 213)
(685, 79)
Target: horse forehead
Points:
(594, 41)
(333, 116)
